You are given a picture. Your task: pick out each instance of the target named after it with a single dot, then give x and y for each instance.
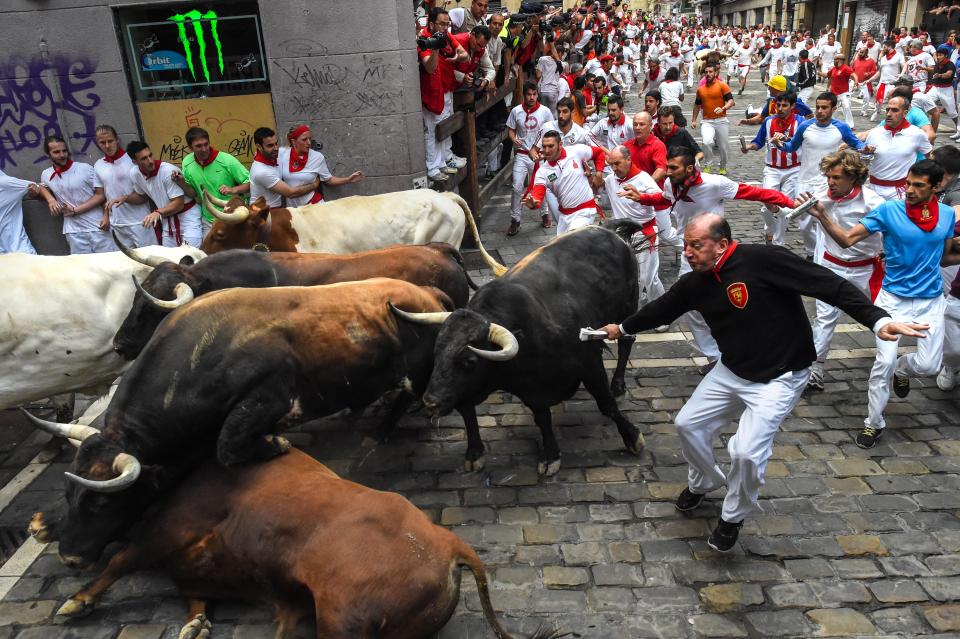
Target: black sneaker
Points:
(901, 384)
(687, 500)
(867, 438)
(514, 228)
(724, 536)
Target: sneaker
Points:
(947, 379)
(873, 118)
(724, 536)
(955, 137)
(438, 176)
(688, 500)
(867, 438)
(546, 221)
(722, 171)
(663, 328)
(514, 228)
(901, 384)
(457, 162)
(450, 169)
(707, 169)
(816, 379)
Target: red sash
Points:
(876, 277)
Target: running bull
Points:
(222, 374)
(59, 315)
(291, 534)
(172, 285)
(350, 225)
(583, 278)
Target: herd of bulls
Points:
(186, 463)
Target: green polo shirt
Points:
(222, 170)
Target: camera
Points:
(435, 42)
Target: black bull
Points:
(171, 284)
(223, 373)
(583, 278)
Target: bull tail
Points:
(470, 559)
(497, 268)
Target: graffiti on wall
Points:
(37, 96)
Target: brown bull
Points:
(291, 534)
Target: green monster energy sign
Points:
(197, 19)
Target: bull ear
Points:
(187, 260)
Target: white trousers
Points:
(437, 152)
(785, 181)
(205, 226)
(648, 274)
(927, 359)
(135, 235)
(698, 326)
(867, 100)
(576, 220)
(549, 100)
(522, 172)
(827, 315)
(90, 242)
(667, 234)
(843, 102)
(708, 411)
(946, 98)
(886, 192)
(951, 334)
(190, 231)
(715, 131)
(805, 94)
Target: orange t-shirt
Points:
(711, 96)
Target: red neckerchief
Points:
(653, 76)
(116, 156)
(623, 118)
(846, 198)
(891, 54)
(259, 157)
(153, 172)
(924, 215)
(210, 158)
(535, 106)
(664, 137)
(681, 193)
(723, 259)
(900, 127)
(780, 125)
(297, 161)
(57, 171)
(563, 155)
(634, 172)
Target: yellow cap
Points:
(778, 83)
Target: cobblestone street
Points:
(849, 543)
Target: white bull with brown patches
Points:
(349, 225)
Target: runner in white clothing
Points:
(570, 133)
(113, 171)
(301, 164)
(615, 129)
(524, 126)
(563, 171)
(895, 146)
(265, 179)
(78, 190)
(846, 200)
(13, 236)
(744, 57)
(889, 67)
(919, 65)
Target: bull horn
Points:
(76, 432)
(212, 198)
(127, 468)
(420, 318)
(151, 260)
(238, 216)
(182, 290)
(507, 341)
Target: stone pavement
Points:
(848, 543)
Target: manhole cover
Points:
(473, 261)
(10, 540)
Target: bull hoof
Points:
(38, 529)
(618, 387)
(75, 608)
(282, 443)
(475, 465)
(548, 468)
(197, 628)
(637, 446)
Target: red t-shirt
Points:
(864, 68)
(649, 156)
(434, 85)
(840, 79)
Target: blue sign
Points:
(163, 61)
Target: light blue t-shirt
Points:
(912, 254)
(919, 119)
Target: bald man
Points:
(750, 297)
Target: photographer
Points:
(464, 20)
(476, 72)
(438, 52)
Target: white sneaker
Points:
(873, 118)
(457, 161)
(947, 379)
(438, 176)
(662, 328)
(955, 136)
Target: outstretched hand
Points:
(894, 330)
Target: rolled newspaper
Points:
(802, 208)
(589, 333)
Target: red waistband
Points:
(317, 198)
(187, 207)
(589, 204)
(792, 166)
(898, 183)
(870, 261)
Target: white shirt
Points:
(923, 101)
(566, 177)
(549, 77)
(116, 181)
(670, 93)
(611, 134)
(775, 55)
(264, 177)
(872, 52)
(316, 167)
(890, 68)
(669, 61)
(827, 52)
(791, 59)
(625, 208)
(528, 125)
(161, 189)
(896, 152)
(576, 135)
(708, 197)
(743, 55)
(914, 62)
(847, 212)
(13, 237)
(687, 51)
(74, 187)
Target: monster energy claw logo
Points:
(197, 19)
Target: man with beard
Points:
(79, 199)
(714, 99)
(524, 127)
(265, 179)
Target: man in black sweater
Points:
(673, 133)
(749, 296)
